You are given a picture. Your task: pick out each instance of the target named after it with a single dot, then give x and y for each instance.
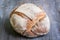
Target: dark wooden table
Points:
(52, 8)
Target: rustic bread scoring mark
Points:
(20, 14)
(30, 24)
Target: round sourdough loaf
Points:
(29, 20)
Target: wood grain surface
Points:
(52, 8)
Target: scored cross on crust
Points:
(30, 23)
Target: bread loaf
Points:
(29, 20)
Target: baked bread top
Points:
(27, 17)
